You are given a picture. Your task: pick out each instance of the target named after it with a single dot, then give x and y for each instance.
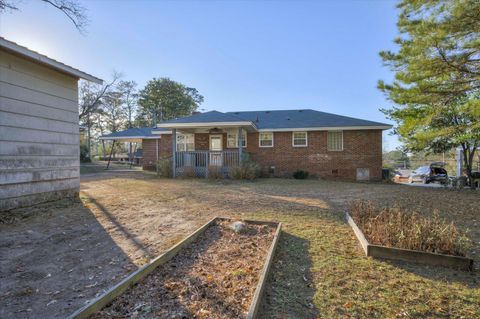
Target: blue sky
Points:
(240, 55)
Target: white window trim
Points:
(259, 140)
(185, 144)
(236, 139)
(210, 142)
(339, 150)
(306, 139)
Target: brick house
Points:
(281, 142)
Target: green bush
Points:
(84, 157)
(299, 174)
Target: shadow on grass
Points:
(470, 279)
(126, 233)
(290, 288)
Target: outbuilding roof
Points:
(278, 120)
(45, 60)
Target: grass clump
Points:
(401, 228)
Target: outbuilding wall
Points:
(39, 133)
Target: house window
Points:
(232, 140)
(265, 139)
(299, 139)
(335, 141)
(185, 142)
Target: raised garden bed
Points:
(215, 272)
(378, 251)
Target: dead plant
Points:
(401, 228)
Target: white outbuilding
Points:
(39, 131)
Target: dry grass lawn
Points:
(319, 270)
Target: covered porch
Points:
(205, 163)
(207, 149)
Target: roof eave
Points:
(42, 59)
(326, 128)
(127, 137)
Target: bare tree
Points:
(130, 97)
(8, 5)
(71, 8)
(90, 102)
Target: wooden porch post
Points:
(239, 142)
(174, 152)
(111, 152)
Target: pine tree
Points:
(436, 91)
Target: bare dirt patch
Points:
(214, 277)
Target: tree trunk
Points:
(89, 124)
(468, 156)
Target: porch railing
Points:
(203, 163)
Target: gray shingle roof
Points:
(301, 119)
(207, 117)
(280, 119)
(135, 132)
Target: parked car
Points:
(429, 174)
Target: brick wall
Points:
(149, 159)
(361, 149)
(202, 141)
(149, 147)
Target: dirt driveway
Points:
(55, 257)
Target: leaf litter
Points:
(213, 277)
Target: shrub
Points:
(400, 228)
(164, 166)
(84, 158)
(299, 174)
(215, 172)
(188, 172)
(246, 170)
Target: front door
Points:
(216, 147)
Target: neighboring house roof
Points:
(43, 59)
(282, 120)
(135, 133)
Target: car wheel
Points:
(425, 181)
